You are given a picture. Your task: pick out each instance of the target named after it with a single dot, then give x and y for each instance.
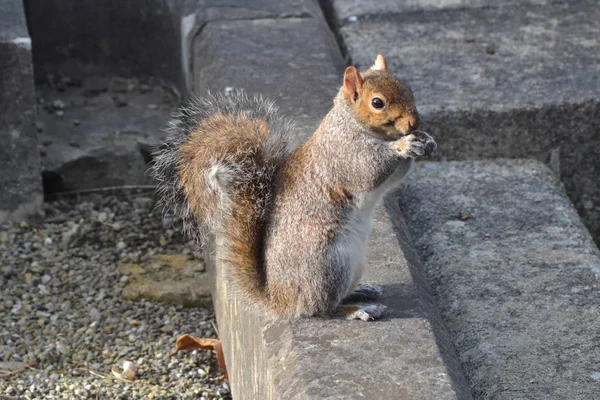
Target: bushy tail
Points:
(216, 171)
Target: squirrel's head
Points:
(380, 100)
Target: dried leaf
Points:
(187, 342)
(462, 216)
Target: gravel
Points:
(61, 310)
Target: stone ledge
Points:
(515, 272)
(496, 59)
(347, 10)
(407, 354)
(294, 61)
(515, 81)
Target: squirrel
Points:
(291, 227)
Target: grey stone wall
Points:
(20, 179)
(133, 37)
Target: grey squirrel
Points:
(292, 226)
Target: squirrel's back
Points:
(216, 171)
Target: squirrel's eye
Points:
(377, 102)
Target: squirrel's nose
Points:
(411, 123)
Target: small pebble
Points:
(143, 203)
(102, 217)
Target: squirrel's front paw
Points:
(415, 145)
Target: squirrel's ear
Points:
(353, 83)
(380, 63)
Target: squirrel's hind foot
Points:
(364, 312)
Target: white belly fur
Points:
(350, 249)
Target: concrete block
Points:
(515, 272)
(219, 10)
(347, 10)
(519, 82)
(21, 182)
(140, 37)
(104, 132)
(406, 355)
(294, 61)
(447, 55)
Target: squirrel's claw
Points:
(416, 145)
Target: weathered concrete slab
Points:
(519, 82)
(195, 16)
(101, 132)
(215, 10)
(516, 273)
(294, 61)
(176, 279)
(446, 55)
(406, 355)
(347, 10)
(21, 182)
(133, 38)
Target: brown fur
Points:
(398, 99)
(218, 140)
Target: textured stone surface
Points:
(141, 37)
(345, 9)
(521, 81)
(516, 274)
(213, 10)
(175, 279)
(12, 24)
(103, 133)
(294, 61)
(405, 355)
(445, 55)
(21, 193)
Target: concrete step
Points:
(21, 182)
(496, 79)
(407, 355)
(516, 273)
(296, 62)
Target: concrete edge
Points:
(300, 359)
(22, 193)
(523, 248)
(418, 274)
